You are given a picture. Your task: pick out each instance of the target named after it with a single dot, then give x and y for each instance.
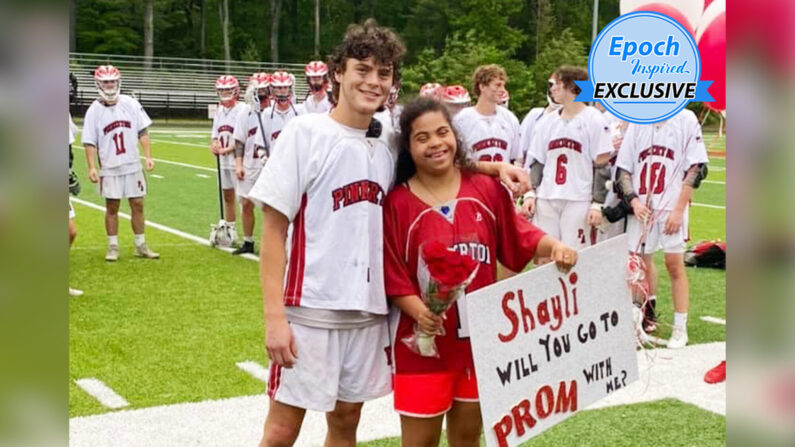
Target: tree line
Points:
(446, 39)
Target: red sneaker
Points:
(716, 374)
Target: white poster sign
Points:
(212, 109)
(547, 344)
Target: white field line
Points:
(709, 319)
(181, 143)
(101, 392)
(255, 369)
(705, 205)
(160, 160)
(169, 130)
(170, 230)
(717, 168)
(202, 175)
(715, 182)
(156, 176)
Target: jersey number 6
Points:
(560, 172)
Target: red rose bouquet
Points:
(443, 277)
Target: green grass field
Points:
(171, 330)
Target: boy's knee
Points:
(278, 435)
(345, 416)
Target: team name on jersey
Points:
(565, 143)
(489, 143)
(657, 151)
(479, 252)
(359, 191)
(115, 125)
(226, 128)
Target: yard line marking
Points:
(181, 143)
(101, 392)
(716, 182)
(202, 175)
(709, 319)
(178, 129)
(156, 176)
(173, 231)
(255, 369)
(186, 165)
(717, 168)
(705, 205)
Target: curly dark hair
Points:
(363, 41)
(406, 168)
(568, 74)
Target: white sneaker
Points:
(75, 292)
(112, 254)
(678, 338)
(144, 252)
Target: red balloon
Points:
(670, 11)
(712, 47)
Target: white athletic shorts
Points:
(249, 178)
(228, 178)
(350, 365)
(566, 220)
(120, 186)
(656, 239)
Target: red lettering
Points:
(502, 429)
(543, 313)
(567, 401)
(526, 315)
(337, 195)
(545, 392)
(511, 316)
(521, 416)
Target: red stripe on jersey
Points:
(295, 273)
(273, 381)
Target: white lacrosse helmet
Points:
(102, 76)
(222, 235)
(431, 90)
(227, 88)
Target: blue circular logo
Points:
(644, 67)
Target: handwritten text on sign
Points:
(547, 344)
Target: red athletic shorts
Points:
(432, 394)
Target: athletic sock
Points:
(139, 240)
(248, 239)
(680, 320)
(113, 240)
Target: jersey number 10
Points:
(657, 180)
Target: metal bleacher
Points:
(173, 87)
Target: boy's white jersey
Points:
(489, 138)
(114, 131)
(72, 130)
(526, 132)
(390, 118)
(658, 155)
(248, 132)
(312, 106)
(567, 148)
(330, 181)
(224, 123)
(274, 121)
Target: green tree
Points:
(462, 54)
(563, 49)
